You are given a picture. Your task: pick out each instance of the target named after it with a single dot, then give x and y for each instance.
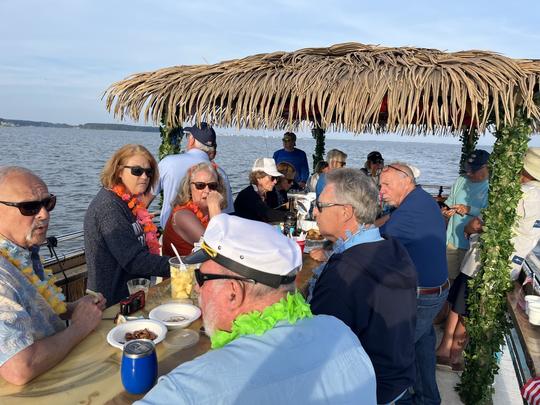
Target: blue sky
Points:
(58, 56)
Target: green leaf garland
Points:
(487, 322)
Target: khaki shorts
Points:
(454, 257)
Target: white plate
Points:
(117, 335)
(164, 313)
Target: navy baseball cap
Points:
(477, 159)
(205, 134)
(375, 157)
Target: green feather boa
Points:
(291, 308)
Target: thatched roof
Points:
(351, 87)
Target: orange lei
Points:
(144, 218)
(191, 206)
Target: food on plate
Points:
(178, 318)
(314, 234)
(141, 334)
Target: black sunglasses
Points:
(30, 208)
(290, 181)
(201, 185)
(321, 205)
(201, 277)
(138, 171)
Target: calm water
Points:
(70, 160)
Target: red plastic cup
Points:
(302, 244)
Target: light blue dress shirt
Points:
(318, 360)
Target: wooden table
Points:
(90, 374)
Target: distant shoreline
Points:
(90, 125)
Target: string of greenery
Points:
(469, 138)
(170, 140)
(318, 135)
(487, 323)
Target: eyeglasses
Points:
(274, 178)
(201, 185)
(396, 168)
(31, 208)
(321, 205)
(138, 171)
(201, 277)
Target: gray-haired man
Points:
(268, 348)
(369, 282)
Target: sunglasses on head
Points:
(397, 169)
(138, 171)
(201, 277)
(201, 185)
(30, 208)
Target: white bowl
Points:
(117, 335)
(175, 315)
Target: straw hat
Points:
(531, 162)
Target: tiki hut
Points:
(347, 87)
(362, 88)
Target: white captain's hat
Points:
(252, 249)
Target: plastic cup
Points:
(531, 301)
(181, 279)
(137, 284)
(302, 244)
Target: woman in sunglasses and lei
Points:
(277, 198)
(119, 236)
(201, 196)
(251, 202)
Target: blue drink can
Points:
(139, 366)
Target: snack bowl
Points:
(117, 335)
(175, 315)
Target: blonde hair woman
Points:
(119, 236)
(200, 197)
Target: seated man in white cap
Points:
(268, 347)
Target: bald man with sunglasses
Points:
(34, 335)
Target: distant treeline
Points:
(91, 125)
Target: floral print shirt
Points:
(25, 316)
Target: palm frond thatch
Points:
(346, 87)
